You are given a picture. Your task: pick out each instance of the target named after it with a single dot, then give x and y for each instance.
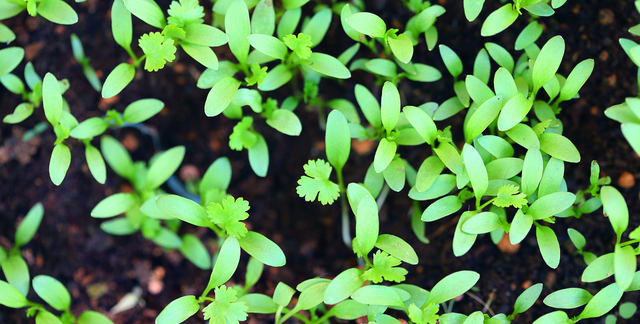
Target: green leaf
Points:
(513, 112)
(259, 303)
(508, 196)
(551, 178)
(385, 153)
(520, 227)
(338, 140)
(397, 247)
(559, 147)
(228, 215)
(118, 226)
(148, 11)
(263, 20)
(367, 224)
(44, 317)
(424, 73)
(16, 272)
(632, 133)
(59, 163)
(548, 245)
(163, 166)
(496, 145)
(576, 79)
(500, 55)
(482, 223)
(448, 108)
(547, 62)
(452, 286)
(114, 205)
(451, 59)
(263, 249)
(602, 302)
(57, 11)
(422, 123)
(317, 183)
(599, 269)
(568, 298)
(327, 65)
(531, 171)
(527, 299)
(539, 9)
(217, 176)
(96, 163)
(52, 291)
(22, 112)
(312, 295)
(300, 45)
(117, 156)
(193, 249)
(401, 47)
(11, 297)
(51, 99)
(462, 242)
(528, 35)
(441, 208)
(121, 24)
(221, 95)
(343, 285)
(157, 50)
(202, 54)
(224, 309)
(89, 128)
(184, 209)
(288, 22)
(317, 26)
(259, 157)
(577, 238)
(390, 106)
(185, 13)
(142, 110)
(472, 9)
(627, 310)
(524, 136)
(557, 317)
(615, 207)
(12, 83)
(238, 28)
(395, 174)
(368, 24)
(268, 45)
(369, 105)
(276, 77)
(624, 263)
(286, 122)
(6, 34)
(243, 136)
(551, 204)
(226, 263)
(92, 317)
(118, 79)
(379, 295)
(385, 268)
(476, 170)
(499, 20)
(483, 117)
(449, 155)
(29, 225)
(478, 90)
(283, 294)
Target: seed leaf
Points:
(615, 208)
(57, 11)
(343, 285)
(527, 299)
(547, 62)
(326, 65)
(568, 298)
(338, 140)
(499, 20)
(367, 224)
(624, 264)
(238, 28)
(263, 249)
(368, 24)
(602, 302)
(178, 310)
(452, 286)
(52, 291)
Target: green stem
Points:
(293, 312)
(346, 227)
(485, 204)
(383, 195)
(629, 242)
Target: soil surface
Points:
(99, 269)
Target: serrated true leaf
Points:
(225, 309)
(509, 195)
(228, 215)
(385, 268)
(157, 50)
(317, 183)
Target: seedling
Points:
(16, 288)
(89, 72)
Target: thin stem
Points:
(629, 242)
(383, 195)
(346, 227)
(486, 204)
(485, 305)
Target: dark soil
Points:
(71, 247)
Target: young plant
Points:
(16, 288)
(56, 11)
(183, 27)
(506, 15)
(32, 99)
(89, 72)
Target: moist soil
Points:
(99, 269)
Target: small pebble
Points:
(626, 180)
